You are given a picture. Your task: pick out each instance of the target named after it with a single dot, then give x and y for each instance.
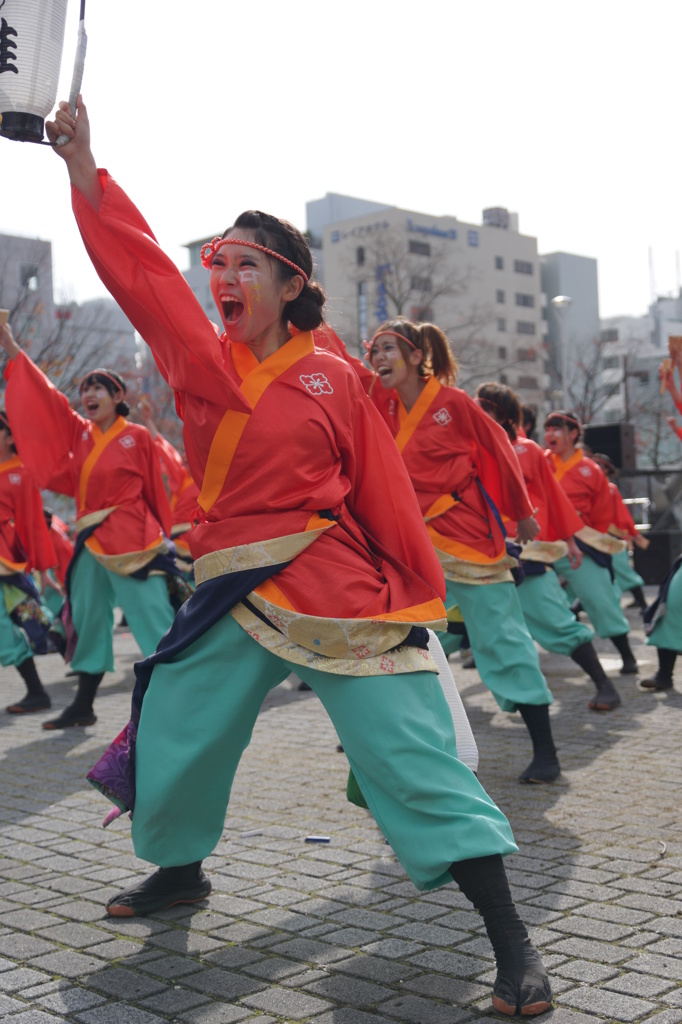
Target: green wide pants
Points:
(503, 649)
(14, 645)
(548, 615)
(668, 630)
(197, 719)
(95, 592)
(592, 584)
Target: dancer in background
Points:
(466, 475)
(184, 493)
(587, 489)
(623, 526)
(24, 545)
(123, 513)
(312, 555)
(55, 580)
(545, 606)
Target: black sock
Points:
(28, 672)
(87, 688)
(536, 717)
(666, 664)
(622, 645)
(586, 658)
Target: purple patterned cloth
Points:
(114, 773)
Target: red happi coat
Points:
(450, 448)
(184, 493)
(622, 523)
(24, 537)
(273, 444)
(586, 488)
(63, 547)
(116, 470)
(556, 516)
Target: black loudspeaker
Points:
(654, 564)
(617, 440)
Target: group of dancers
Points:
(342, 513)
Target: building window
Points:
(525, 327)
(472, 239)
(528, 382)
(501, 352)
(419, 248)
(363, 322)
(28, 276)
(499, 295)
(609, 334)
(523, 267)
(501, 323)
(526, 355)
(420, 284)
(360, 255)
(643, 377)
(524, 300)
(503, 378)
(611, 363)
(499, 263)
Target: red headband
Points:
(209, 250)
(119, 385)
(560, 419)
(394, 334)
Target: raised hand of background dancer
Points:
(76, 154)
(527, 530)
(145, 410)
(574, 554)
(8, 342)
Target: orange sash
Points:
(561, 468)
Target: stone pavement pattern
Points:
(336, 934)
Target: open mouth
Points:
(232, 310)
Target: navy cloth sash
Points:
(31, 616)
(656, 609)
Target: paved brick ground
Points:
(336, 934)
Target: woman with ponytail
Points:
(466, 476)
(310, 554)
(121, 556)
(545, 606)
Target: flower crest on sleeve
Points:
(316, 383)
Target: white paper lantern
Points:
(31, 41)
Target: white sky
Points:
(566, 113)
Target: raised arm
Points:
(143, 280)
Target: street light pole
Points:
(562, 305)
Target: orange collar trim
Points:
(409, 421)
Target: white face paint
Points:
(251, 281)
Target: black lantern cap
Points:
(22, 127)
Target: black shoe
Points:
(541, 769)
(629, 667)
(71, 716)
(524, 989)
(653, 683)
(31, 702)
(165, 888)
(469, 662)
(606, 698)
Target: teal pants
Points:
(95, 592)
(14, 645)
(591, 583)
(197, 719)
(548, 615)
(626, 577)
(503, 649)
(668, 630)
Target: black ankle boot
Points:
(36, 698)
(163, 889)
(545, 765)
(622, 645)
(607, 697)
(522, 985)
(663, 680)
(80, 711)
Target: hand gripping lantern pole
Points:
(31, 43)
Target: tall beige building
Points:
(479, 282)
